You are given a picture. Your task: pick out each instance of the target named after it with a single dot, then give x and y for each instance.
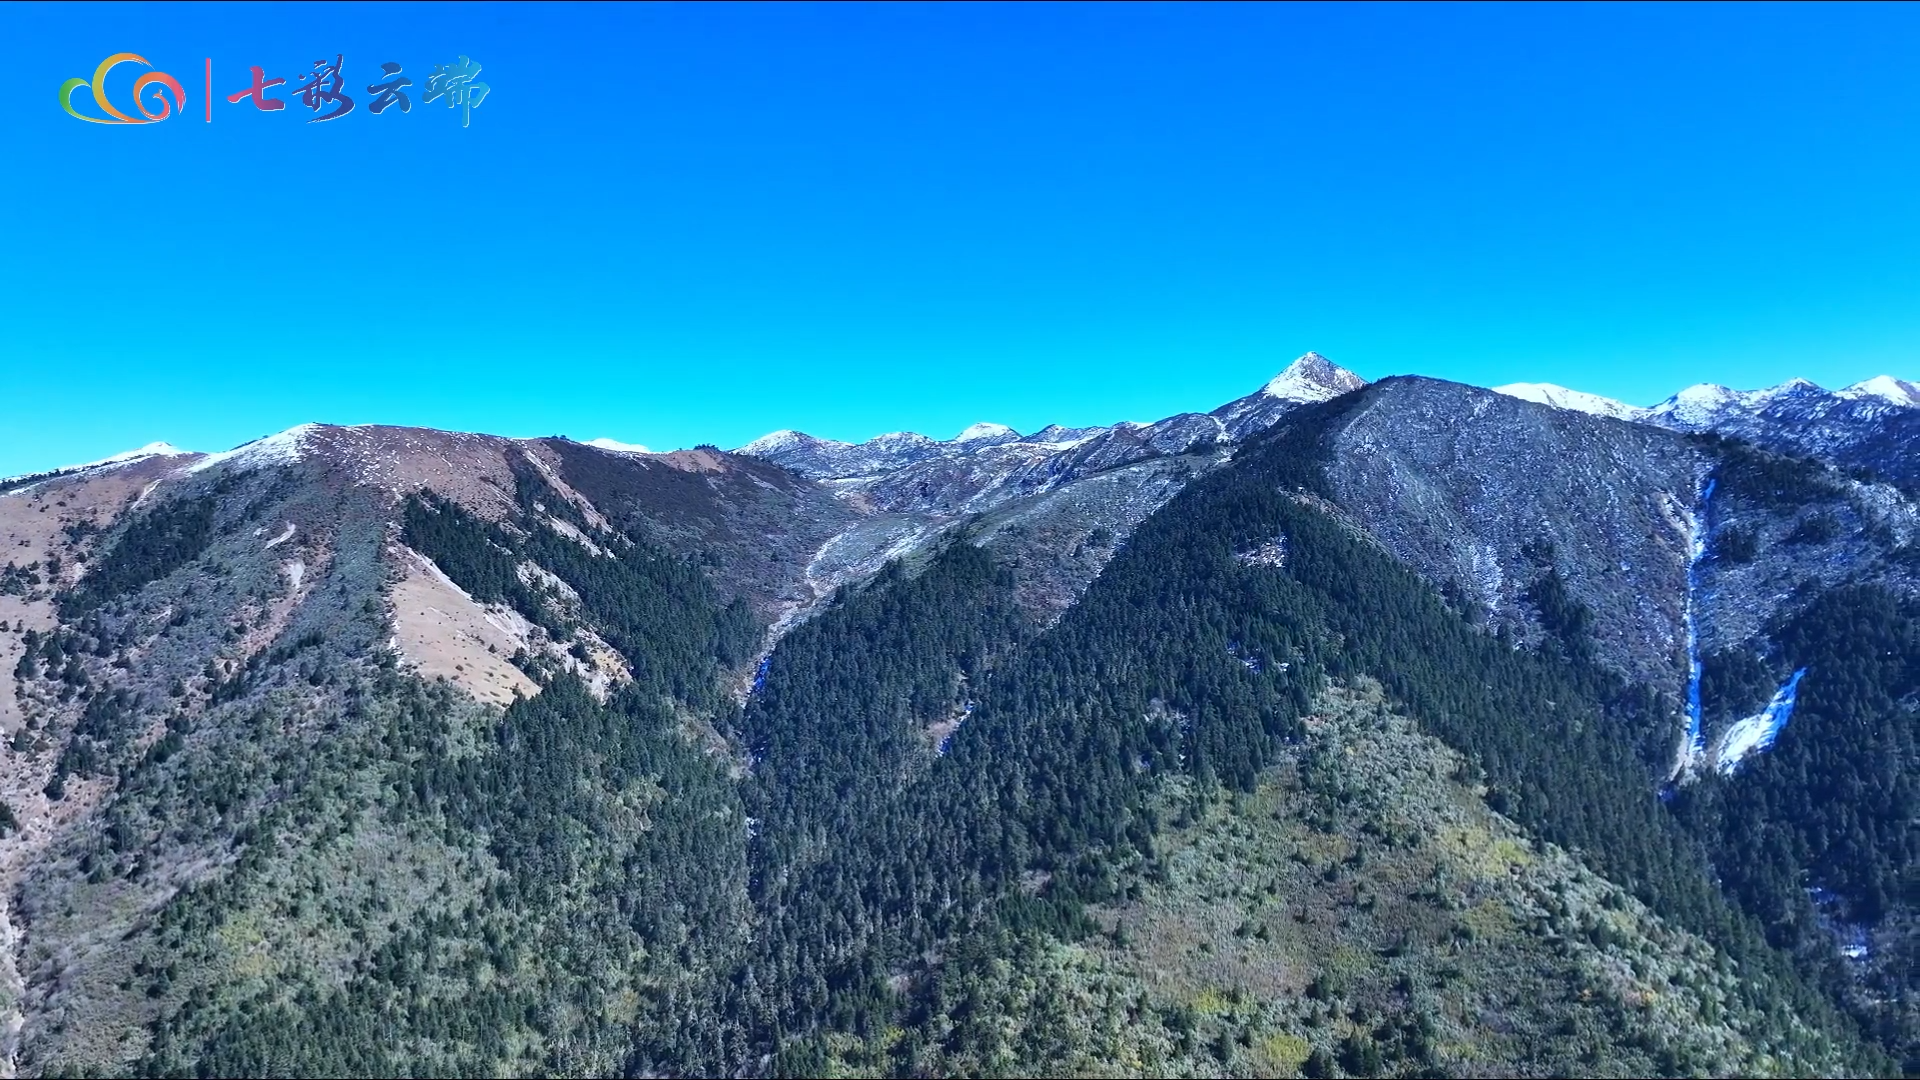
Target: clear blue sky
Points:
(677, 224)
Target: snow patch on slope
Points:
(1757, 732)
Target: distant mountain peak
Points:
(126, 457)
(1898, 391)
(152, 449)
(775, 442)
(618, 447)
(1794, 386)
(983, 431)
(1708, 404)
(1873, 424)
(1704, 392)
(1697, 406)
(1560, 397)
(897, 439)
(1312, 378)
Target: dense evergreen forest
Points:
(1816, 837)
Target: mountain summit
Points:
(1309, 379)
(988, 463)
(1312, 378)
(1898, 391)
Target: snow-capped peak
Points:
(1705, 394)
(1697, 406)
(1898, 391)
(773, 442)
(284, 448)
(617, 446)
(1560, 397)
(152, 449)
(897, 440)
(125, 457)
(1313, 378)
(980, 431)
(1700, 406)
(1794, 385)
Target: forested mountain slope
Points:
(1360, 911)
(375, 751)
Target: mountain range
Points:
(1348, 728)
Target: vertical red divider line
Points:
(209, 89)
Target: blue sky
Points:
(681, 224)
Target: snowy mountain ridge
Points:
(987, 462)
(1703, 405)
(1700, 406)
(1875, 420)
(1560, 397)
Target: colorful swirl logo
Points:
(158, 81)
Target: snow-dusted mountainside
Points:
(1707, 406)
(1481, 491)
(1579, 401)
(1676, 548)
(1873, 424)
(825, 459)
